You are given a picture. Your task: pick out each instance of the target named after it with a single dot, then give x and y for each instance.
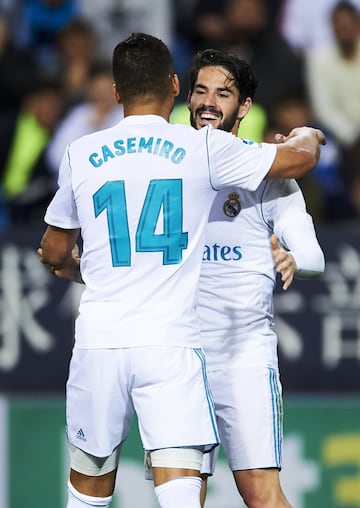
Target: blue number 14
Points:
(162, 195)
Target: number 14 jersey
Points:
(141, 193)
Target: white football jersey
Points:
(141, 192)
(238, 272)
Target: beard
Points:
(226, 124)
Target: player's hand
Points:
(71, 270)
(320, 136)
(285, 262)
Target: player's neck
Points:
(162, 109)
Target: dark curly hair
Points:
(241, 72)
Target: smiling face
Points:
(215, 100)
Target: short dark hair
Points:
(142, 67)
(241, 72)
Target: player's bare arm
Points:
(58, 250)
(297, 153)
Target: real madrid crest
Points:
(232, 206)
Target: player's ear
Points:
(116, 94)
(244, 108)
(176, 85)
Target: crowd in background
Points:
(56, 83)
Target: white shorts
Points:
(166, 387)
(248, 403)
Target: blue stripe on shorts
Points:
(277, 409)
(209, 396)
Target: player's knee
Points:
(260, 488)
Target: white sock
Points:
(182, 492)
(78, 500)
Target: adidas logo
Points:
(80, 435)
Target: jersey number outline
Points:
(162, 195)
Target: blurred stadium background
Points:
(318, 322)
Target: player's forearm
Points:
(56, 247)
(297, 154)
(302, 243)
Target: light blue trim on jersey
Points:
(209, 396)
(276, 402)
(207, 155)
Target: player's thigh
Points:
(248, 403)
(172, 399)
(98, 405)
